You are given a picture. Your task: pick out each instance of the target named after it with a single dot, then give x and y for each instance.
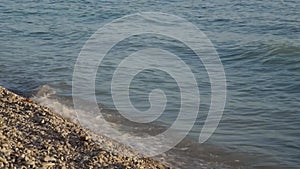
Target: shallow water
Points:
(258, 43)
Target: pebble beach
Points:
(32, 136)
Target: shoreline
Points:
(32, 136)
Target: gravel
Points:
(32, 136)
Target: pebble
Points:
(49, 159)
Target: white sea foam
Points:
(88, 119)
(186, 152)
(43, 97)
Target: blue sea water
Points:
(258, 43)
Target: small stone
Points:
(160, 166)
(30, 163)
(49, 159)
(84, 138)
(3, 160)
(47, 164)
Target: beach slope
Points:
(32, 136)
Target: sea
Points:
(258, 43)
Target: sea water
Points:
(258, 43)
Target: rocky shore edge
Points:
(32, 136)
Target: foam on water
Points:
(185, 155)
(43, 97)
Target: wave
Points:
(282, 54)
(46, 97)
(187, 154)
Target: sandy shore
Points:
(31, 136)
